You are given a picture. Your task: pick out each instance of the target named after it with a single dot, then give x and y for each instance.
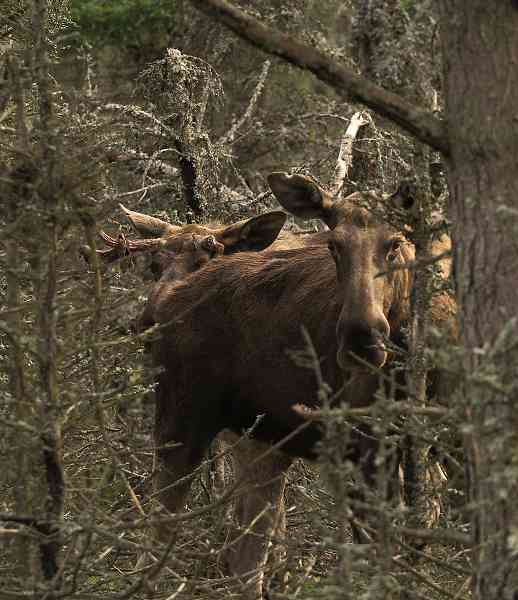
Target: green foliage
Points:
(408, 5)
(129, 23)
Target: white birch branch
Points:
(345, 155)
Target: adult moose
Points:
(225, 358)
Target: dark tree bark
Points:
(188, 173)
(480, 45)
(45, 268)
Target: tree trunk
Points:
(480, 46)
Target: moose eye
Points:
(395, 247)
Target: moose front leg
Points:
(259, 512)
(171, 484)
(181, 441)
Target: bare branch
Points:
(135, 111)
(396, 408)
(229, 137)
(437, 536)
(142, 190)
(418, 122)
(153, 164)
(345, 155)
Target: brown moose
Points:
(263, 505)
(176, 252)
(225, 358)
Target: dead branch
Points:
(396, 408)
(229, 137)
(152, 163)
(46, 293)
(436, 536)
(399, 562)
(135, 111)
(420, 123)
(96, 320)
(345, 155)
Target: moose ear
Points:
(148, 226)
(253, 234)
(301, 196)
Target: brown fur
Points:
(178, 251)
(184, 254)
(213, 334)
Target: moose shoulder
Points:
(224, 348)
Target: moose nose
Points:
(364, 339)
